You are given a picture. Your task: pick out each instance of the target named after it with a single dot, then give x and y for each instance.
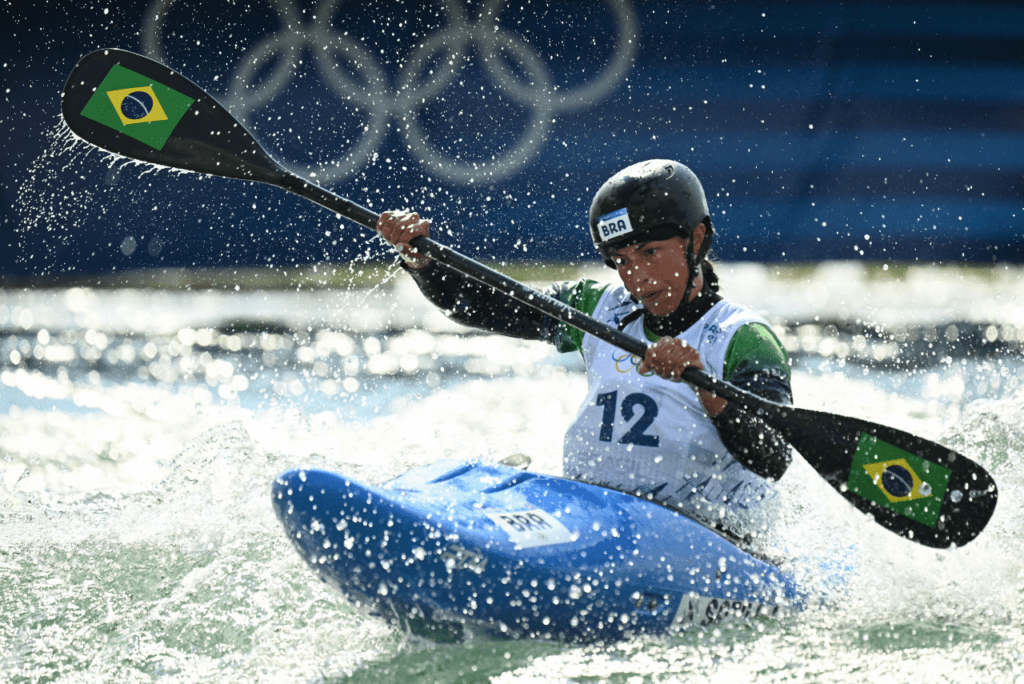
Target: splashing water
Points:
(138, 541)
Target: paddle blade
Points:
(130, 105)
(918, 489)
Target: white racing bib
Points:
(642, 433)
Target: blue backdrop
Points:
(844, 130)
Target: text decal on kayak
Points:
(531, 528)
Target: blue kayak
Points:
(461, 546)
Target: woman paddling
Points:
(640, 429)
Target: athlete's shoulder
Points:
(755, 347)
(583, 295)
(729, 315)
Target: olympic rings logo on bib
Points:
(420, 81)
(624, 363)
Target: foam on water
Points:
(137, 541)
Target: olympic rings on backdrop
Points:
(358, 79)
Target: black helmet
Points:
(652, 200)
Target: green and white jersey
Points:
(645, 434)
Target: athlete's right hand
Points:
(669, 357)
(399, 228)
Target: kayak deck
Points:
(514, 554)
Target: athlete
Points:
(640, 429)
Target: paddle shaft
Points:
(518, 291)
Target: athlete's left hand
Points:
(668, 358)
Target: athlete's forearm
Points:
(754, 444)
(473, 304)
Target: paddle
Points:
(130, 105)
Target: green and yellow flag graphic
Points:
(898, 480)
(137, 106)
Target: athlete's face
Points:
(656, 272)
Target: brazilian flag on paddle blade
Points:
(898, 480)
(137, 106)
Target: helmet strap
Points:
(692, 265)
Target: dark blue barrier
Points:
(845, 130)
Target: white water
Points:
(139, 434)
